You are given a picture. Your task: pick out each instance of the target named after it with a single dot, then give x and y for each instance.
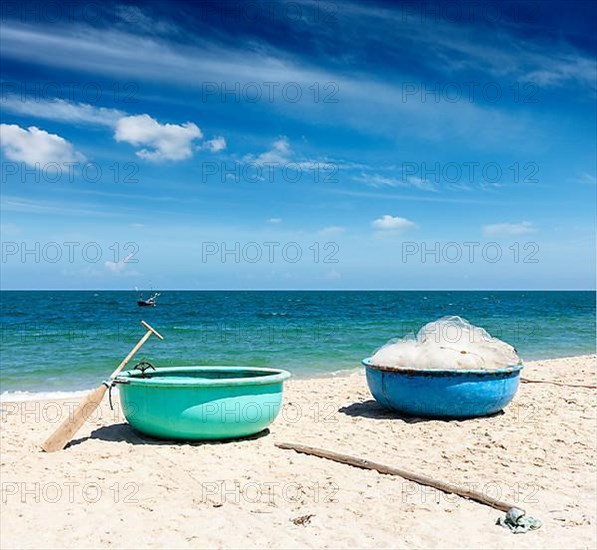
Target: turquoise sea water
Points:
(71, 340)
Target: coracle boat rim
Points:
(160, 378)
(445, 372)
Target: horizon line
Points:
(300, 290)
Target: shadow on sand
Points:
(372, 409)
(124, 432)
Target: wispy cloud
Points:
(509, 229)
(332, 275)
(454, 46)
(415, 198)
(12, 203)
(332, 230)
(377, 180)
(10, 229)
(281, 154)
(120, 267)
(114, 52)
(584, 178)
(61, 110)
(157, 60)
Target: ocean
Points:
(56, 342)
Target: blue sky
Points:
(390, 145)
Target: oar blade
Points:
(65, 432)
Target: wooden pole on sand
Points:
(411, 476)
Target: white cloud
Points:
(332, 230)
(508, 229)
(278, 154)
(36, 147)
(118, 267)
(275, 220)
(392, 223)
(215, 145)
(166, 141)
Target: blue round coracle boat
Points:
(447, 393)
(195, 403)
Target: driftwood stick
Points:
(411, 476)
(531, 381)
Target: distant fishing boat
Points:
(150, 302)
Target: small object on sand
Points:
(303, 520)
(518, 522)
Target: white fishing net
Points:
(448, 343)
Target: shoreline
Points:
(113, 488)
(26, 396)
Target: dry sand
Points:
(115, 489)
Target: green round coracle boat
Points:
(198, 403)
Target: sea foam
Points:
(18, 396)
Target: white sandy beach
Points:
(115, 489)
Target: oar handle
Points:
(146, 337)
(146, 325)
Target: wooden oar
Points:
(65, 432)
